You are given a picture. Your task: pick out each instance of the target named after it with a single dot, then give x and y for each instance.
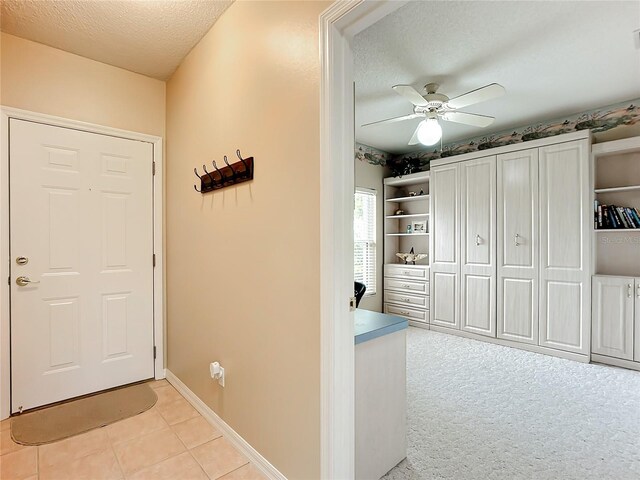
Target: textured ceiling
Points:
(553, 58)
(150, 37)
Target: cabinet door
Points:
(565, 220)
(478, 246)
(444, 246)
(636, 342)
(612, 316)
(517, 272)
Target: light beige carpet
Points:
(77, 416)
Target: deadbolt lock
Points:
(22, 260)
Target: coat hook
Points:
(219, 173)
(246, 167)
(213, 183)
(199, 178)
(233, 172)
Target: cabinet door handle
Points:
(638, 290)
(517, 237)
(477, 240)
(629, 290)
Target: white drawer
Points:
(406, 271)
(407, 300)
(417, 315)
(411, 286)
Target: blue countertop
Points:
(370, 325)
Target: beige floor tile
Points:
(166, 395)
(218, 457)
(158, 383)
(248, 472)
(195, 432)
(7, 445)
(20, 464)
(142, 452)
(177, 411)
(34, 477)
(146, 422)
(73, 448)
(97, 466)
(181, 467)
(5, 425)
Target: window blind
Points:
(364, 235)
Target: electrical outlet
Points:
(217, 372)
(221, 377)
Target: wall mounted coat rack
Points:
(218, 178)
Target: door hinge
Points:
(153, 168)
(154, 260)
(154, 352)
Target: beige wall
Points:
(47, 80)
(243, 263)
(370, 176)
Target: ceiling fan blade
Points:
(468, 118)
(478, 95)
(394, 119)
(414, 138)
(411, 94)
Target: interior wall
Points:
(47, 80)
(243, 263)
(370, 176)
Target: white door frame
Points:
(338, 24)
(158, 228)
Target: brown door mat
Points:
(78, 416)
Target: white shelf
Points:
(598, 230)
(410, 215)
(415, 198)
(407, 234)
(617, 189)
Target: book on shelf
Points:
(615, 217)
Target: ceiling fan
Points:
(434, 106)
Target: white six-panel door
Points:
(81, 213)
(517, 276)
(565, 225)
(612, 316)
(478, 246)
(445, 246)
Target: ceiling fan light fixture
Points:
(429, 132)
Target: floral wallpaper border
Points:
(600, 120)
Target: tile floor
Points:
(169, 441)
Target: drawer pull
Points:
(406, 273)
(409, 300)
(405, 313)
(406, 286)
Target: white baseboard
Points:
(583, 358)
(617, 362)
(229, 433)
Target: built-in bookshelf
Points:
(616, 195)
(406, 201)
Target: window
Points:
(364, 235)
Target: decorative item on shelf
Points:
(412, 194)
(399, 212)
(409, 229)
(411, 256)
(419, 226)
(233, 174)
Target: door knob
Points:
(24, 281)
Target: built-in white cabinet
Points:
(615, 308)
(565, 226)
(478, 246)
(406, 228)
(517, 272)
(510, 242)
(614, 302)
(445, 246)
